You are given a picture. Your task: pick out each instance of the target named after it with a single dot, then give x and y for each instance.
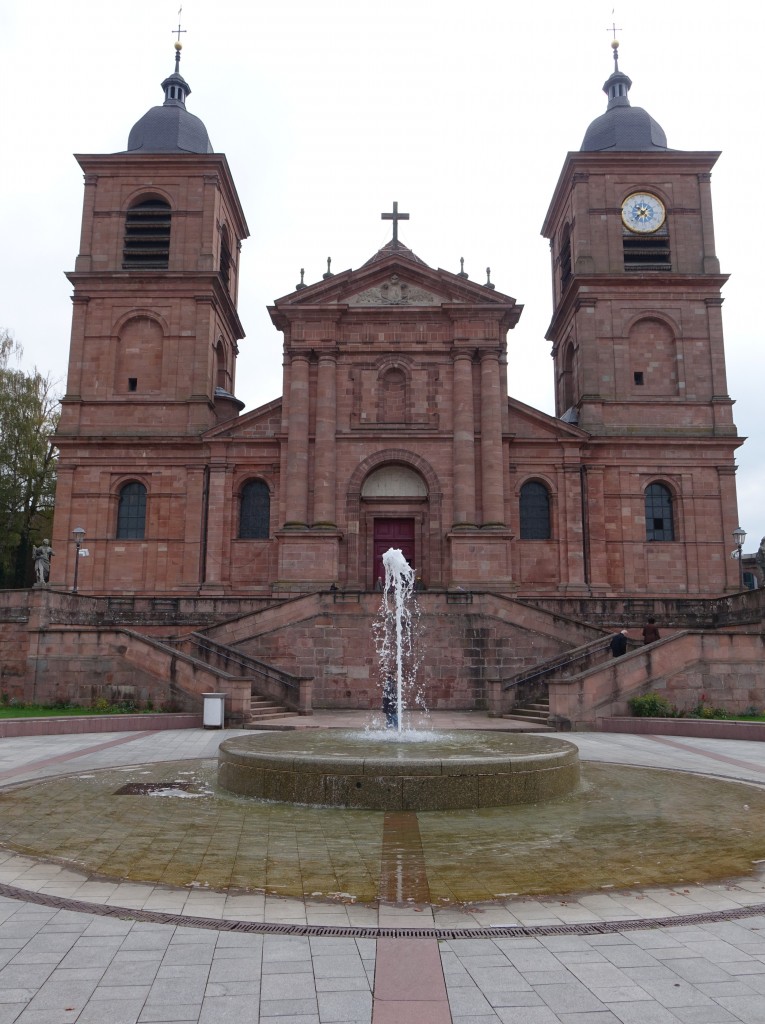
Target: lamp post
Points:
(739, 535)
(79, 536)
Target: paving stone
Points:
(229, 1009)
(287, 986)
(288, 1007)
(570, 998)
(525, 1015)
(344, 1006)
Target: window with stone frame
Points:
(393, 396)
(225, 257)
(565, 257)
(147, 236)
(534, 511)
(131, 512)
(659, 523)
(255, 511)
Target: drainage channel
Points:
(349, 931)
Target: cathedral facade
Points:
(395, 428)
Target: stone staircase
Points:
(264, 712)
(535, 713)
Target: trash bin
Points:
(212, 715)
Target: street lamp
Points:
(739, 535)
(79, 536)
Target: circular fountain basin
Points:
(439, 772)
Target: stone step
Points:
(259, 716)
(536, 713)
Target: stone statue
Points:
(759, 559)
(42, 556)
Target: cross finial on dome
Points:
(615, 43)
(178, 44)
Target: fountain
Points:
(399, 768)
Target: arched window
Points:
(567, 379)
(658, 513)
(255, 511)
(393, 396)
(225, 256)
(147, 236)
(131, 512)
(565, 257)
(535, 512)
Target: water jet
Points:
(396, 770)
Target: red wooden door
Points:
(392, 533)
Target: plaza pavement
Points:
(77, 949)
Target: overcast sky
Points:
(328, 112)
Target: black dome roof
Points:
(170, 128)
(623, 127)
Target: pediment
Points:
(396, 290)
(263, 422)
(394, 277)
(527, 423)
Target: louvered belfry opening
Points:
(147, 236)
(647, 252)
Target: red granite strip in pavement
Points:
(409, 983)
(750, 765)
(33, 766)
(403, 877)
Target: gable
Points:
(527, 423)
(395, 277)
(263, 422)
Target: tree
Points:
(28, 421)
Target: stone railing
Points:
(294, 692)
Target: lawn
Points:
(45, 711)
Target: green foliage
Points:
(28, 421)
(12, 708)
(705, 710)
(651, 705)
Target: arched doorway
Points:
(394, 502)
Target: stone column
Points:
(711, 262)
(296, 508)
(464, 441)
(217, 522)
(581, 243)
(324, 496)
(84, 260)
(492, 477)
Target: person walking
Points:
(651, 632)
(390, 703)
(618, 644)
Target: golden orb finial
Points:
(615, 44)
(178, 46)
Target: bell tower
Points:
(155, 326)
(637, 347)
(152, 364)
(636, 328)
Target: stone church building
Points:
(395, 428)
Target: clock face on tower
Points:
(643, 212)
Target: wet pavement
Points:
(83, 945)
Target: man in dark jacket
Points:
(619, 644)
(651, 632)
